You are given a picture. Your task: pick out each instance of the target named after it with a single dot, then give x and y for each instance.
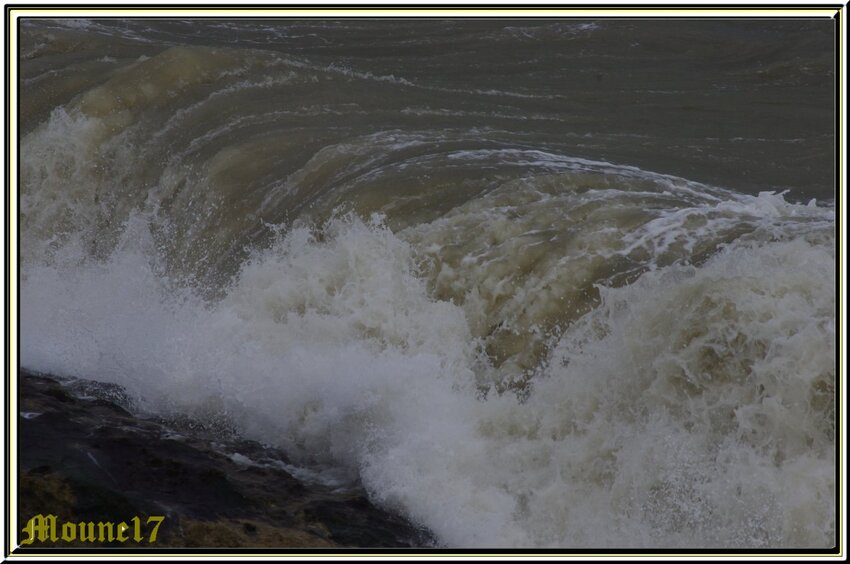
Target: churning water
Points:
(561, 283)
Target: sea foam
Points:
(711, 427)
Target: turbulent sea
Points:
(558, 283)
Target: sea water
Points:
(557, 283)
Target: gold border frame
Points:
(15, 12)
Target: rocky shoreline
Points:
(84, 457)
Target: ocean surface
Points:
(531, 283)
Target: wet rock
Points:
(85, 458)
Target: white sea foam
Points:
(711, 427)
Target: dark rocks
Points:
(85, 458)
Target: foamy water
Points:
(508, 342)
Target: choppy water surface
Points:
(561, 283)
